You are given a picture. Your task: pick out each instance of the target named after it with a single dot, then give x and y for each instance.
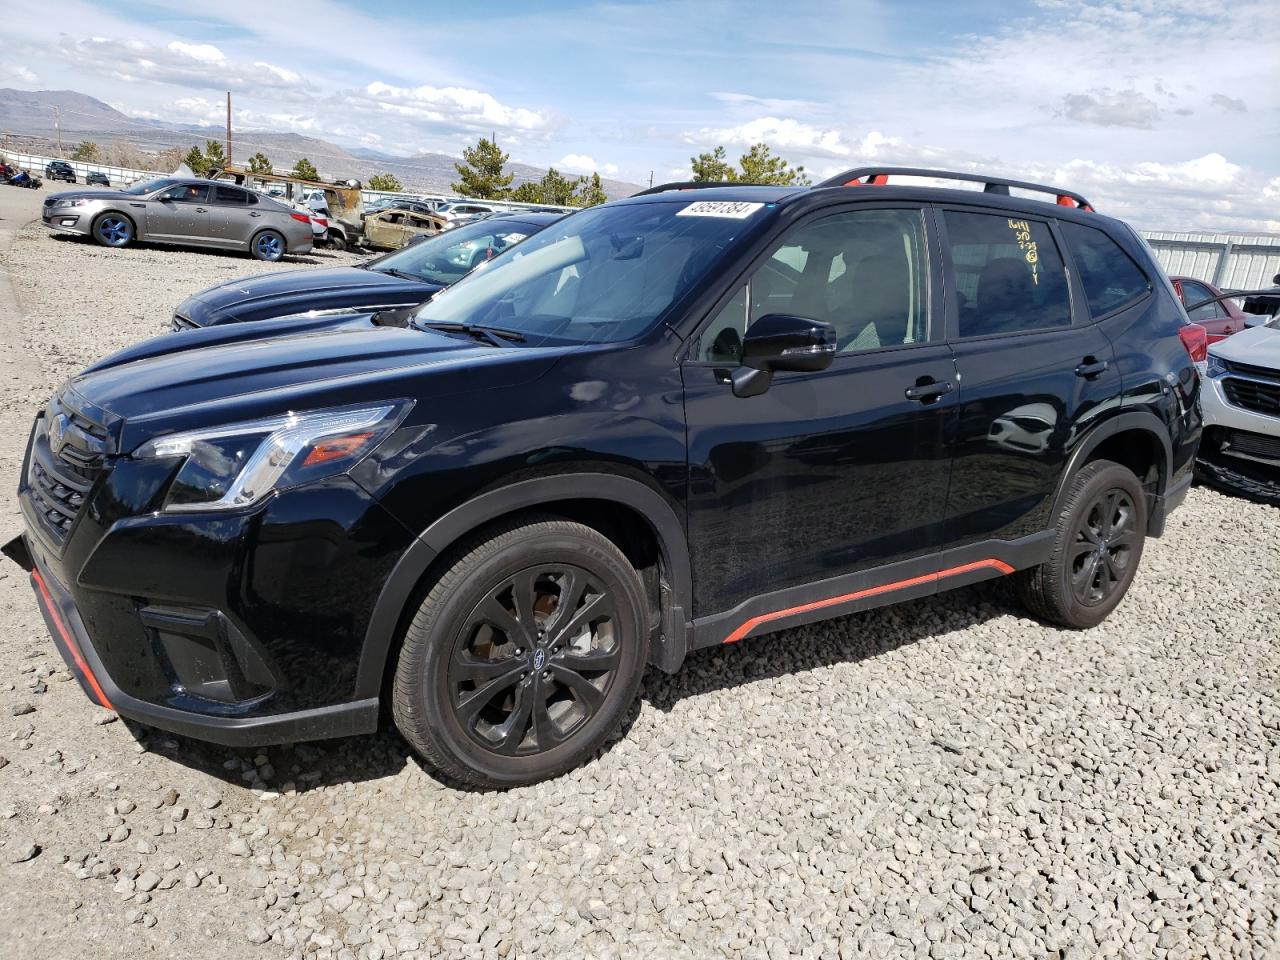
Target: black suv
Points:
(661, 424)
(59, 170)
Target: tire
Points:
(337, 241)
(112, 229)
(476, 696)
(268, 245)
(1080, 584)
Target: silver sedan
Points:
(204, 213)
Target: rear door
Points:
(1034, 371)
(829, 474)
(1218, 323)
(228, 222)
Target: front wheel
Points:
(268, 245)
(1100, 534)
(524, 656)
(113, 230)
(337, 241)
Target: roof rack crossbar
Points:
(864, 176)
(695, 185)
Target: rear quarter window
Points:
(1110, 277)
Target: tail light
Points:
(301, 217)
(1196, 339)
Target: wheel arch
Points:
(562, 494)
(1137, 439)
(267, 228)
(112, 211)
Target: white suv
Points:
(1241, 403)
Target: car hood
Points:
(1256, 346)
(206, 378)
(288, 284)
(92, 195)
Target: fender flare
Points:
(522, 495)
(1142, 420)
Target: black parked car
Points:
(97, 178)
(402, 278)
(664, 423)
(59, 170)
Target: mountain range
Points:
(43, 115)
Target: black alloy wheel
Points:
(1101, 529)
(524, 655)
(535, 660)
(1104, 546)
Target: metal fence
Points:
(117, 175)
(1230, 261)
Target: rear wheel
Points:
(113, 230)
(524, 656)
(337, 241)
(267, 245)
(1100, 535)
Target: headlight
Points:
(238, 465)
(72, 203)
(1215, 367)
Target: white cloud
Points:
(17, 73)
(581, 163)
(1107, 108)
(781, 133)
(456, 105)
(204, 52)
(1220, 101)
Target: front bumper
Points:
(239, 628)
(66, 220)
(73, 643)
(1240, 451)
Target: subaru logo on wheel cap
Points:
(539, 659)
(58, 432)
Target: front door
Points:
(1034, 373)
(809, 490)
(178, 213)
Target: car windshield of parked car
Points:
(449, 257)
(605, 274)
(147, 186)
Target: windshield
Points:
(450, 256)
(147, 186)
(604, 274)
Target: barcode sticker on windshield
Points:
(728, 209)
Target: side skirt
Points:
(877, 587)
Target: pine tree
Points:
(259, 163)
(214, 158)
(712, 167)
(384, 181)
(481, 174)
(759, 165)
(196, 161)
(304, 169)
(591, 192)
(86, 152)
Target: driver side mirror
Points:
(780, 341)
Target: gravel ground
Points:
(945, 778)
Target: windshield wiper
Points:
(493, 335)
(403, 275)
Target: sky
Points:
(1163, 112)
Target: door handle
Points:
(255, 214)
(1091, 368)
(201, 210)
(928, 390)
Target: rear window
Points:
(1010, 277)
(1110, 278)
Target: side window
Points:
(228, 195)
(187, 193)
(1110, 277)
(1009, 274)
(863, 272)
(1193, 292)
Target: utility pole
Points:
(651, 178)
(228, 128)
(57, 126)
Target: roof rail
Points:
(878, 176)
(695, 185)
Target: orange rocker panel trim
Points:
(989, 564)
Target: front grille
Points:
(1252, 445)
(1260, 396)
(69, 449)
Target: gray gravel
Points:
(946, 778)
